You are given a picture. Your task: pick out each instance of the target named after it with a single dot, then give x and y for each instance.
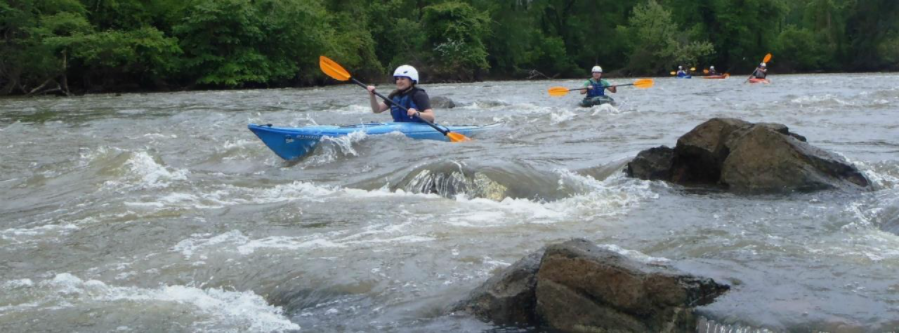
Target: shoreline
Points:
(610, 77)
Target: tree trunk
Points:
(39, 87)
(65, 79)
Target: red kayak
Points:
(757, 80)
(720, 76)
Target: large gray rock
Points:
(582, 288)
(746, 157)
(764, 160)
(700, 152)
(578, 287)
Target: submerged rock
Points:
(442, 102)
(746, 157)
(578, 287)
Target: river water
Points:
(162, 212)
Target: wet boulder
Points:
(747, 157)
(578, 287)
(652, 164)
(442, 102)
(508, 297)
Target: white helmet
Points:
(763, 65)
(597, 69)
(406, 71)
(712, 67)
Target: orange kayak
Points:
(722, 76)
(757, 80)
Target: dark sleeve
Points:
(422, 100)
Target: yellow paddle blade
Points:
(333, 69)
(767, 58)
(456, 137)
(692, 69)
(558, 91)
(643, 83)
(673, 72)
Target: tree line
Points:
(68, 46)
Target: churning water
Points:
(162, 212)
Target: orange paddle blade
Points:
(705, 71)
(456, 137)
(558, 91)
(644, 83)
(333, 69)
(767, 58)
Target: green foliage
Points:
(657, 43)
(455, 33)
(233, 42)
(801, 48)
(103, 44)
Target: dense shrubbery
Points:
(101, 45)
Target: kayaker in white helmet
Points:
(415, 99)
(761, 72)
(681, 72)
(712, 70)
(596, 86)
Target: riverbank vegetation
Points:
(75, 46)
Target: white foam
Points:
(561, 116)
(36, 235)
(217, 310)
(636, 255)
(197, 241)
(236, 241)
(605, 109)
(151, 173)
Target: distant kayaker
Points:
(415, 99)
(712, 70)
(761, 72)
(596, 86)
(681, 72)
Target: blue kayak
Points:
(685, 77)
(294, 143)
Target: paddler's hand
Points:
(413, 113)
(371, 90)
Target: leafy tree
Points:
(455, 33)
(658, 44)
(235, 42)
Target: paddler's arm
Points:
(585, 89)
(376, 107)
(609, 86)
(423, 101)
(427, 115)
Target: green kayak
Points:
(597, 100)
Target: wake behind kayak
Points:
(294, 143)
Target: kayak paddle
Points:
(767, 59)
(334, 70)
(640, 83)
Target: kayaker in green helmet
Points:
(415, 99)
(595, 88)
